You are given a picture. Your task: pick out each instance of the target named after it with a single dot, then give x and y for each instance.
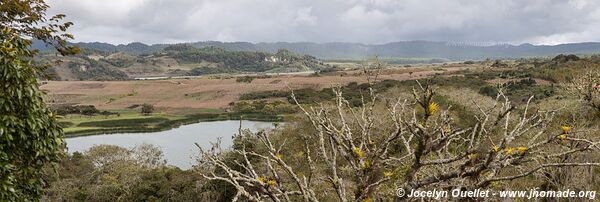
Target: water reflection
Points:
(177, 144)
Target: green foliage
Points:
(561, 58)
(264, 95)
(355, 92)
(31, 136)
(125, 122)
(241, 61)
(505, 74)
(520, 90)
(75, 109)
(244, 79)
(489, 91)
(28, 18)
(154, 124)
(112, 173)
(561, 69)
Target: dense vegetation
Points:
(242, 61)
(31, 136)
(111, 173)
(176, 60)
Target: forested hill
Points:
(223, 61)
(407, 49)
(175, 60)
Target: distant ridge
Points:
(338, 50)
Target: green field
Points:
(130, 121)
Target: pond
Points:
(177, 144)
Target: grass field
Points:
(132, 121)
(209, 93)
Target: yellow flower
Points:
(509, 150)
(496, 148)
(562, 137)
(280, 156)
(359, 153)
(366, 165)
(261, 179)
(565, 129)
(522, 149)
(367, 200)
(271, 182)
(387, 173)
(8, 47)
(432, 108)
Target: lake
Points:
(177, 144)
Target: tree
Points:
(147, 109)
(587, 87)
(30, 134)
(365, 153)
(112, 173)
(27, 18)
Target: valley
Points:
(210, 97)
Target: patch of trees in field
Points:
(88, 110)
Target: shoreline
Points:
(171, 124)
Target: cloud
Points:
(361, 21)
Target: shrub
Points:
(244, 79)
(76, 109)
(147, 109)
(489, 91)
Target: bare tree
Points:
(588, 88)
(408, 143)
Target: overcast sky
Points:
(361, 21)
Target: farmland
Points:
(181, 101)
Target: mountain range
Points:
(339, 50)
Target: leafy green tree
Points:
(147, 109)
(27, 18)
(29, 133)
(30, 136)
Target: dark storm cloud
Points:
(362, 21)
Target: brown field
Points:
(206, 92)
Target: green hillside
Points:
(175, 60)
